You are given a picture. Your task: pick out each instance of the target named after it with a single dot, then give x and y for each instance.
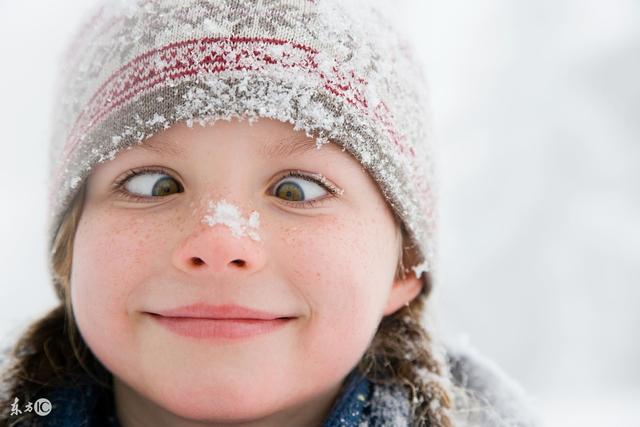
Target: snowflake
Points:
(269, 15)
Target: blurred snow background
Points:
(537, 114)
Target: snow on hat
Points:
(333, 68)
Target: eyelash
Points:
(118, 186)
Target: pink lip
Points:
(226, 311)
(220, 321)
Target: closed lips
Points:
(221, 318)
(219, 312)
(219, 322)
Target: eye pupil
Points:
(164, 186)
(290, 191)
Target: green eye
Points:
(290, 191)
(299, 188)
(150, 184)
(164, 187)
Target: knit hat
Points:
(333, 68)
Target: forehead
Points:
(268, 147)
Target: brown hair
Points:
(51, 353)
(402, 350)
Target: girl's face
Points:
(323, 257)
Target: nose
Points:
(216, 250)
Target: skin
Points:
(331, 266)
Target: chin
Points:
(220, 410)
(223, 403)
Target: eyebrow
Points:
(290, 146)
(283, 147)
(163, 148)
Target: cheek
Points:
(342, 269)
(111, 254)
(339, 253)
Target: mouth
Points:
(220, 319)
(226, 321)
(220, 312)
(220, 328)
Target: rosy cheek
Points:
(112, 253)
(329, 261)
(327, 264)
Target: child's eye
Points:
(147, 184)
(301, 189)
(295, 188)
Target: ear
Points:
(402, 292)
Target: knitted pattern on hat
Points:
(335, 69)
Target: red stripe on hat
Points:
(211, 55)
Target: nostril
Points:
(199, 261)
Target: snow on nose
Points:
(226, 213)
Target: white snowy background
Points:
(537, 114)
